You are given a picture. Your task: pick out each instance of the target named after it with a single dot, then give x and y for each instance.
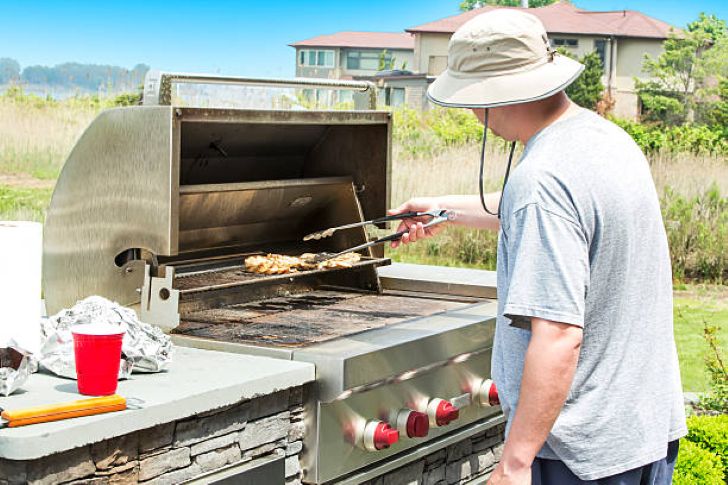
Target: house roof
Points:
(372, 40)
(564, 18)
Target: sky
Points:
(232, 37)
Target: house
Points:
(350, 55)
(621, 38)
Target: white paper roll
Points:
(21, 251)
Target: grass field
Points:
(696, 305)
(35, 138)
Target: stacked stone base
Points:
(251, 431)
(458, 463)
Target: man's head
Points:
(501, 58)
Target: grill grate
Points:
(305, 319)
(233, 276)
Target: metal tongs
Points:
(438, 216)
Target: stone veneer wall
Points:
(170, 453)
(458, 463)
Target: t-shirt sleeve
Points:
(548, 265)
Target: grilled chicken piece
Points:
(282, 264)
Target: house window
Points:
(394, 97)
(366, 60)
(316, 58)
(600, 46)
(572, 43)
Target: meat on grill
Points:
(281, 264)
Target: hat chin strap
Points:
(482, 170)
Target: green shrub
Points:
(698, 139)
(457, 247)
(697, 466)
(425, 133)
(716, 399)
(17, 203)
(455, 126)
(128, 99)
(697, 232)
(710, 432)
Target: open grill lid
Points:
(161, 185)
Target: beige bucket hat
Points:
(499, 58)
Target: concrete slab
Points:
(198, 381)
(439, 279)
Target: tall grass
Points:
(36, 134)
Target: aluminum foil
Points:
(145, 347)
(15, 371)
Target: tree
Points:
(587, 89)
(716, 113)
(466, 5)
(9, 70)
(678, 74)
(386, 61)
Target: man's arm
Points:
(551, 359)
(469, 210)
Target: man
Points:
(584, 357)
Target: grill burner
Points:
(308, 318)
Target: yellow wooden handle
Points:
(72, 409)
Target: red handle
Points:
(418, 425)
(446, 413)
(385, 436)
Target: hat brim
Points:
(541, 82)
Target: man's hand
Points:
(415, 224)
(501, 476)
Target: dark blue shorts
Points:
(554, 472)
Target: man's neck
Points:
(545, 113)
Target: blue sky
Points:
(238, 38)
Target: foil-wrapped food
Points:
(15, 367)
(145, 348)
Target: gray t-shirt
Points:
(582, 242)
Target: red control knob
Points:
(413, 424)
(385, 436)
(379, 435)
(441, 412)
(488, 394)
(493, 395)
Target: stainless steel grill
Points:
(157, 207)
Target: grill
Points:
(157, 208)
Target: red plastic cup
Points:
(98, 356)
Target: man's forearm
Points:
(469, 211)
(551, 359)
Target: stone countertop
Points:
(197, 381)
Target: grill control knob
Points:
(413, 424)
(442, 412)
(379, 436)
(487, 394)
